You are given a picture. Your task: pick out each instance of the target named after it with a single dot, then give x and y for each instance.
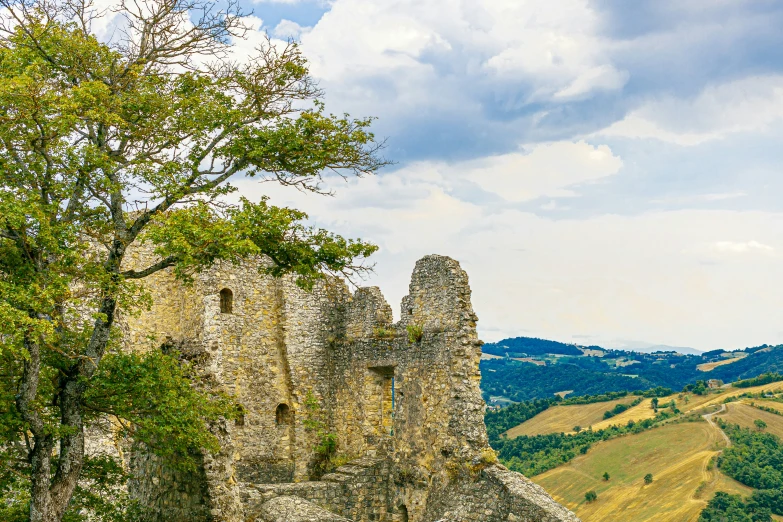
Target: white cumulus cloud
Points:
(746, 105)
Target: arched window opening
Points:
(240, 418)
(402, 514)
(283, 415)
(226, 301)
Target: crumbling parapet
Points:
(368, 314)
(439, 296)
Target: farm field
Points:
(712, 365)
(559, 419)
(771, 404)
(641, 411)
(728, 359)
(677, 455)
(685, 403)
(745, 414)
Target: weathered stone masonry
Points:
(401, 398)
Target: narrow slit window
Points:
(226, 301)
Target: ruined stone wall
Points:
(436, 420)
(496, 495)
(269, 352)
(358, 490)
(402, 399)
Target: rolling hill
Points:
(593, 370)
(679, 450)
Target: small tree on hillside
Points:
(654, 403)
(591, 496)
(760, 424)
(606, 476)
(648, 478)
(577, 429)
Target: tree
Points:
(724, 507)
(606, 476)
(591, 496)
(577, 429)
(654, 403)
(105, 146)
(760, 424)
(648, 478)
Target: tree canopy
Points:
(107, 145)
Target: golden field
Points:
(680, 455)
(562, 419)
(677, 455)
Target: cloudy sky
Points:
(606, 171)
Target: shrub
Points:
(489, 456)
(591, 496)
(383, 333)
(415, 333)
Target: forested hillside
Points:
(526, 346)
(520, 381)
(559, 369)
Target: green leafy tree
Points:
(591, 496)
(606, 476)
(654, 403)
(577, 429)
(107, 146)
(648, 478)
(726, 507)
(760, 424)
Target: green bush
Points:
(415, 333)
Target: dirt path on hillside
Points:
(708, 418)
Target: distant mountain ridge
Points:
(643, 347)
(527, 346)
(537, 346)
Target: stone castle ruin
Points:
(326, 378)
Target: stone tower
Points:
(400, 402)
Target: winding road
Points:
(708, 418)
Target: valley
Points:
(571, 446)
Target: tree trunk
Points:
(50, 496)
(71, 447)
(41, 498)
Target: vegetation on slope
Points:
(616, 370)
(724, 507)
(755, 459)
(520, 381)
(677, 455)
(525, 346)
(531, 455)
